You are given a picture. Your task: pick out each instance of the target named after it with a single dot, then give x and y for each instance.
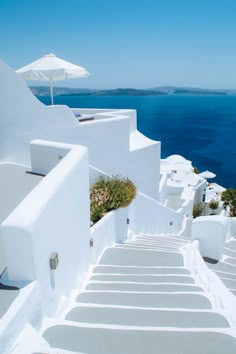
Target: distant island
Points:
(156, 91)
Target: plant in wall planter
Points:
(108, 194)
(213, 205)
(197, 210)
(196, 170)
(229, 199)
(96, 213)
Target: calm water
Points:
(201, 128)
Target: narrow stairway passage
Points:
(141, 299)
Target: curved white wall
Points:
(211, 232)
(54, 217)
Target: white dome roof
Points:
(177, 159)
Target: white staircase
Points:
(141, 299)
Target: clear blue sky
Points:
(126, 43)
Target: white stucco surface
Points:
(232, 226)
(26, 307)
(211, 232)
(54, 217)
(103, 235)
(148, 216)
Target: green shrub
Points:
(96, 212)
(197, 210)
(113, 193)
(121, 192)
(195, 170)
(229, 198)
(213, 205)
(110, 193)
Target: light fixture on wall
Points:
(54, 260)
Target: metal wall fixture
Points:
(54, 261)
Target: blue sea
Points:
(200, 128)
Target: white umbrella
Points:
(207, 174)
(51, 68)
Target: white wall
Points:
(144, 169)
(54, 217)
(107, 142)
(103, 234)
(187, 201)
(222, 299)
(47, 155)
(232, 226)
(200, 190)
(26, 308)
(2, 257)
(147, 216)
(211, 232)
(163, 188)
(112, 228)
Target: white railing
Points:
(222, 299)
(163, 188)
(151, 217)
(112, 228)
(105, 114)
(103, 234)
(232, 226)
(187, 206)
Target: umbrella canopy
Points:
(207, 174)
(51, 68)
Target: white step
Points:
(140, 287)
(158, 300)
(129, 257)
(135, 341)
(145, 278)
(99, 269)
(147, 317)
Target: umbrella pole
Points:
(51, 92)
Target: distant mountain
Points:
(174, 90)
(128, 92)
(62, 91)
(167, 89)
(156, 91)
(57, 91)
(180, 91)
